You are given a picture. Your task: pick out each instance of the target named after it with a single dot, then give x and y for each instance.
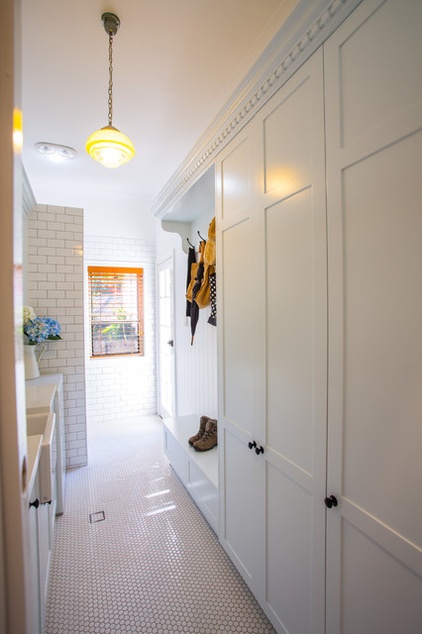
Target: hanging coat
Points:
(191, 260)
(194, 311)
(203, 297)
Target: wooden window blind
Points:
(116, 311)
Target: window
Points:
(116, 311)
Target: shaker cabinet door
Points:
(273, 354)
(374, 158)
(293, 213)
(241, 485)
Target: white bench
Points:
(197, 470)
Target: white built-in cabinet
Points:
(273, 341)
(319, 222)
(44, 397)
(374, 192)
(35, 611)
(39, 539)
(198, 471)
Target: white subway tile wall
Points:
(55, 289)
(123, 386)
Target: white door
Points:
(293, 297)
(374, 169)
(166, 381)
(273, 353)
(241, 471)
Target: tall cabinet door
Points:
(293, 296)
(273, 352)
(239, 319)
(374, 159)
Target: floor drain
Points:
(97, 517)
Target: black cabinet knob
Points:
(170, 342)
(252, 444)
(259, 450)
(331, 501)
(35, 503)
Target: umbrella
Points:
(212, 319)
(191, 260)
(194, 309)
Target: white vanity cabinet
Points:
(320, 350)
(45, 394)
(39, 536)
(44, 400)
(33, 453)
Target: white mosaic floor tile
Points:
(152, 565)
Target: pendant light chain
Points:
(108, 145)
(110, 79)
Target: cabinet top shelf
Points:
(199, 199)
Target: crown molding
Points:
(310, 24)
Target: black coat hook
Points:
(203, 239)
(190, 243)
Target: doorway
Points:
(165, 320)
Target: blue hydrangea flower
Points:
(39, 329)
(36, 330)
(54, 328)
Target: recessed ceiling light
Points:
(54, 151)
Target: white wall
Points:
(119, 233)
(122, 386)
(122, 216)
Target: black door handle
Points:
(331, 501)
(259, 450)
(252, 444)
(35, 503)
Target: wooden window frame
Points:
(96, 271)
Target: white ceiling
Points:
(176, 64)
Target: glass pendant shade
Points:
(110, 147)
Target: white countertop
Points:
(45, 377)
(39, 398)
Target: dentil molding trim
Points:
(306, 29)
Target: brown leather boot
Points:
(201, 431)
(209, 438)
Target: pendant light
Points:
(109, 146)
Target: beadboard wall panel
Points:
(196, 365)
